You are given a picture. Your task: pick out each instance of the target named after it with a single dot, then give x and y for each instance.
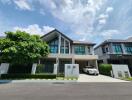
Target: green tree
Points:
(22, 48)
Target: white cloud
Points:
(35, 29)
(22, 4)
(47, 29)
(108, 34)
(109, 9)
(102, 19)
(78, 15)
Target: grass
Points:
(127, 79)
(67, 78)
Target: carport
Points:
(84, 63)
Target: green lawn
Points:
(127, 79)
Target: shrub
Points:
(28, 76)
(40, 68)
(105, 69)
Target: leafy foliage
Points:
(105, 69)
(20, 47)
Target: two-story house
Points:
(114, 51)
(64, 50)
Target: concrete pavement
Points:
(99, 78)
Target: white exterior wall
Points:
(4, 68)
(71, 70)
(120, 68)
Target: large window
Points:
(117, 48)
(67, 47)
(62, 45)
(54, 46)
(79, 49)
(128, 48)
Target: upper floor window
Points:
(105, 49)
(117, 48)
(53, 46)
(128, 48)
(62, 45)
(67, 47)
(79, 49)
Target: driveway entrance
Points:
(99, 78)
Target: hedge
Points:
(28, 76)
(105, 69)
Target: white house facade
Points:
(64, 50)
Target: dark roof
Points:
(114, 41)
(73, 41)
(58, 32)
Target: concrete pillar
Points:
(73, 49)
(57, 64)
(123, 49)
(96, 64)
(34, 66)
(86, 50)
(55, 69)
(59, 44)
(4, 68)
(73, 61)
(92, 50)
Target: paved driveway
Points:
(99, 78)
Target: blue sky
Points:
(85, 20)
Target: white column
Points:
(4, 68)
(91, 50)
(34, 66)
(96, 64)
(86, 50)
(57, 64)
(73, 61)
(59, 45)
(123, 48)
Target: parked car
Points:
(91, 71)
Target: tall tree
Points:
(20, 48)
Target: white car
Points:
(91, 71)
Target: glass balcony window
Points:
(80, 50)
(128, 49)
(117, 48)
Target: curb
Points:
(37, 80)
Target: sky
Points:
(84, 20)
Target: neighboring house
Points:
(114, 51)
(64, 50)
